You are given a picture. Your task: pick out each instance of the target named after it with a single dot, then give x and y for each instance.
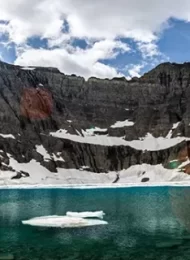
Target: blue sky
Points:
(88, 41)
(175, 41)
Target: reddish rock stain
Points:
(36, 103)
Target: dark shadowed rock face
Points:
(35, 102)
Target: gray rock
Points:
(145, 180)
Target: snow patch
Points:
(96, 139)
(7, 175)
(41, 150)
(82, 168)
(78, 133)
(28, 68)
(184, 164)
(173, 128)
(57, 157)
(62, 131)
(175, 125)
(41, 175)
(91, 131)
(151, 143)
(121, 124)
(37, 172)
(154, 174)
(7, 136)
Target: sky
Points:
(102, 38)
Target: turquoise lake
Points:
(143, 223)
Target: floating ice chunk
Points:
(96, 214)
(63, 222)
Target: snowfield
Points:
(137, 174)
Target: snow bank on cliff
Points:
(41, 150)
(7, 136)
(48, 157)
(121, 124)
(28, 68)
(149, 142)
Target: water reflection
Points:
(180, 201)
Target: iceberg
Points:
(87, 214)
(63, 222)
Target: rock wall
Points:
(37, 101)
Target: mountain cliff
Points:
(50, 122)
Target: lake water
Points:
(143, 223)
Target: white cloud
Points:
(149, 49)
(30, 18)
(75, 60)
(135, 69)
(92, 19)
(60, 41)
(100, 21)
